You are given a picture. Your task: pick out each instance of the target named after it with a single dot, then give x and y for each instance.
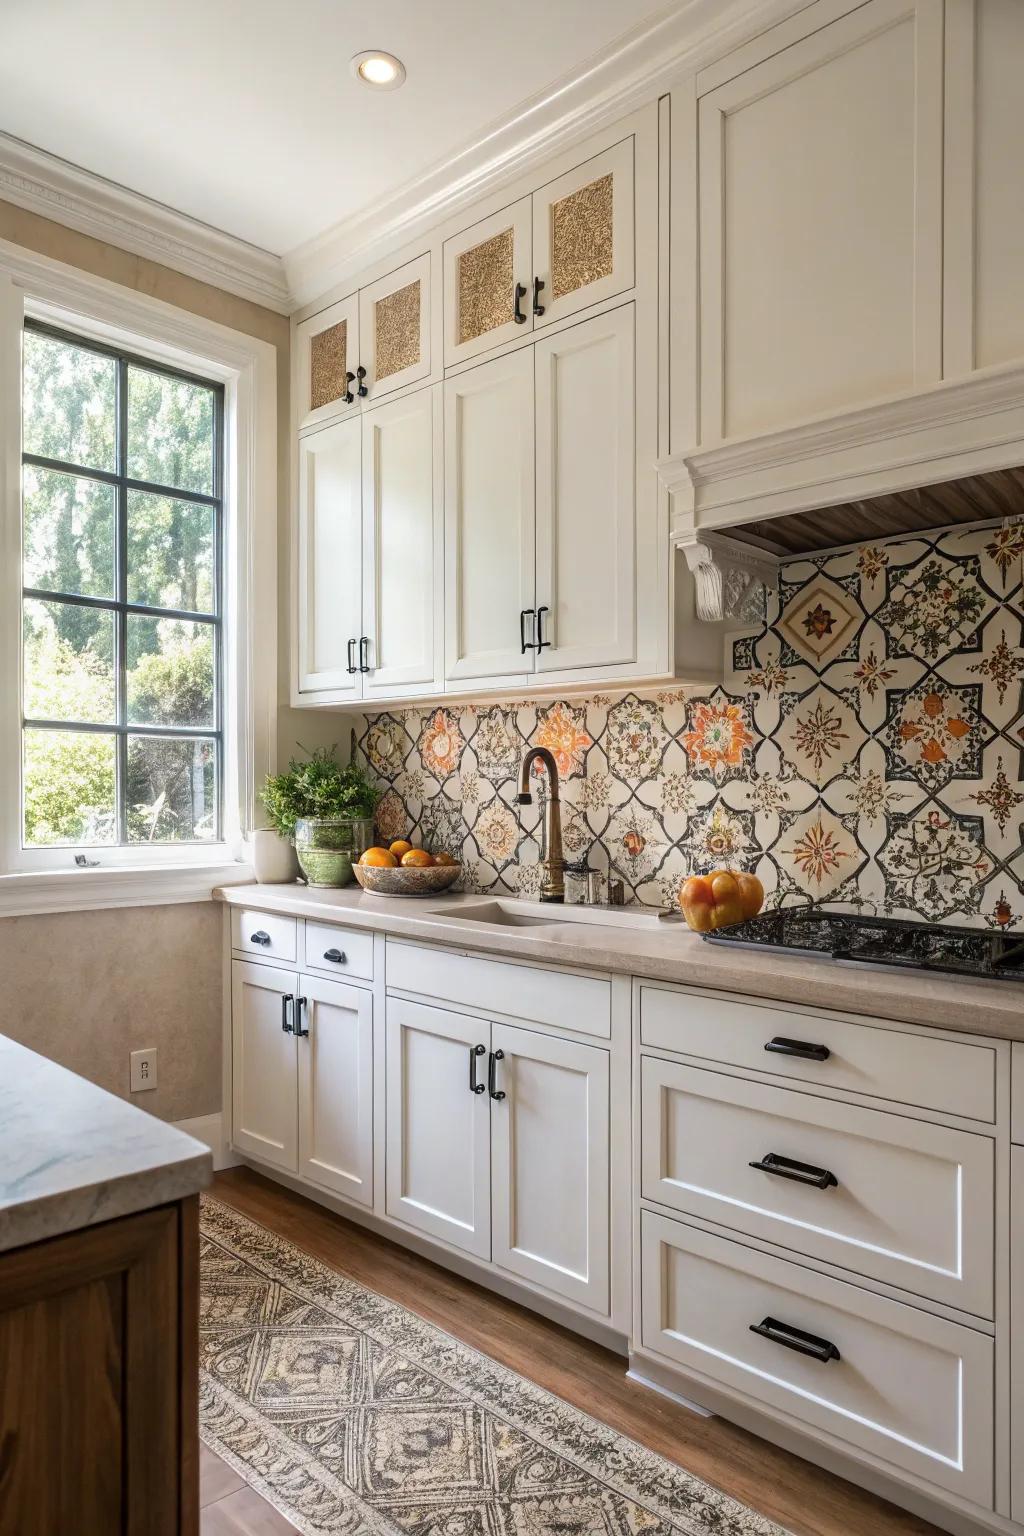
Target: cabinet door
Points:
(326, 353)
(820, 172)
(329, 558)
(487, 270)
(549, 1150)
(403, 590)
(586, 494)
(438, 1138)
(1017, 1335)
(583, 235)
(489, 518)
(394, 329)
(335, 1071)
(263, 1066)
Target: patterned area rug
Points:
(352, 1415)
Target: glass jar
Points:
(327, 847)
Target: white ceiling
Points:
(243, 113)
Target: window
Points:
(122, 598)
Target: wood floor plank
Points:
(216, 1478)
(244, 1514)
(799, 1495)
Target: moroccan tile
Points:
(718, 739)
(934, 864)
(817, 853)
(635, 738)
(935, 608)
(935, 733)
(819, 734)
(819, 621)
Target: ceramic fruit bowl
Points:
(407, 881)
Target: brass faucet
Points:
(553, 886)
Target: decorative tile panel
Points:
(396, 331)
(328, 365)
(486, 283)
(867, 748)
(582, 237)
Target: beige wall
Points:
(86, 988)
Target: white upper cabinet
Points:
(984, 207)
(583, 236)
(328, 558)
(403, 591)
(487, 283)
(394, 330)
(586, 503)
(820, 175)
(326, 359)
(489, 519)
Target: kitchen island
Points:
(98, 1308)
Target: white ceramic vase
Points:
(273, 858)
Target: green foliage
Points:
(318, 787)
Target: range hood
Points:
(944, 456)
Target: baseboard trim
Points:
(209, 1129)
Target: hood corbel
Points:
(732, 580)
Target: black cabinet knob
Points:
(335, 956)
(261, 937)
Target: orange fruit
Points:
(379, 858)
(417, 858)
(445, 858)
(400, 846)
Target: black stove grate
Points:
(881, 941)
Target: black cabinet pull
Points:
(352, 666)
(795, 1338)
(783, 1047)
(286, 1023)
(800, 1173)
(542, 644)
(474, 1052)
(538, 284)
(300, 1033)
(492, 1075)
(364, 648)
(335, 956)
(348, 396)
(517, 314)
(524, 644)
(361, 375)
(261, 936)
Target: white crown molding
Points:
(44, 184)
(964, 427)
(637, 68)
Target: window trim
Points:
(96, 309)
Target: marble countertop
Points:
(73, 1155)
(637, 942)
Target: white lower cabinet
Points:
(497, 1143)
(438, 1132)
(335, 1082)
(912, 1390)
(263, 1101)
(302, 1076)
(1017, 1324)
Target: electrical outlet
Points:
(143, 1070)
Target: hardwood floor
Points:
(801, 1497)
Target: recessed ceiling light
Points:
(381, 70)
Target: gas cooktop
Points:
(881, 941)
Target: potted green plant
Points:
(324, 808)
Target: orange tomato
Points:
(417, 858)
(379, 858)
(720, 899)
(445, 858)
(751, 894)
(399, 846)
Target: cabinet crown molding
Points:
(957, 428)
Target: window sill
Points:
(81, 890)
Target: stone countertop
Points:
(638, 943)
(73, 1155)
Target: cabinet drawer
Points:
(579, 1003)
(912, 1390)
(905, 1202)
(944, 1075)
(263, 933)
(339, 952)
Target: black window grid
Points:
(119, 605)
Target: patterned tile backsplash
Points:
(867, 747)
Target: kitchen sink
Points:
(494, 913)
